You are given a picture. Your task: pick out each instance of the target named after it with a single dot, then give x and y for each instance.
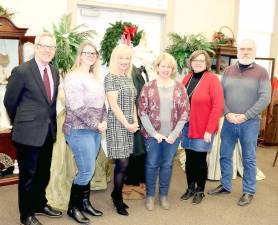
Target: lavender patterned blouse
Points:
(85, 102)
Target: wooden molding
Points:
(9, 30)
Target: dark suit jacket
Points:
(138, 81)
(26, 103)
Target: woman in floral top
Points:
(163, 110)
(85, 120)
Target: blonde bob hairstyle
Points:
(120, 50)
(169, 59)
(95, 68)
(195, 54)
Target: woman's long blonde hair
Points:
(120, 49)
(95, 68)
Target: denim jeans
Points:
(247, 133)
(195, 144)
(159, 159)
(85, 145)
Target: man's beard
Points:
(246, 60)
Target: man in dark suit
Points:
(30, 100)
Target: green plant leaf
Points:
(68, 39)
(182, 47)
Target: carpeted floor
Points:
(217, 210)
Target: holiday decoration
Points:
(119, 32)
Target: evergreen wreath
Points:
(112, 36)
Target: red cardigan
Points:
(207, 105)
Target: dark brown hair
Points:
(195, 54)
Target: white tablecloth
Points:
(213, 159)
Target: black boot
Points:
(199, 195)
(120, 197)
(86, 204)
(118, 203)
(75, 204)
(189, 192)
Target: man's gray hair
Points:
(44, 34)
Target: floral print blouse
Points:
(149, 104)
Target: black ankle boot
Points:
(75, 204)
(188, 194)
(77, 215)
(125, 205)
(190, 190)
(119, 204)
(114, 195)
(86, 204)
(198, 197)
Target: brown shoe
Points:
(219, 190)
(245, 199)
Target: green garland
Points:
(111, 38)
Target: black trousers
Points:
(34, 174)
(196, 169)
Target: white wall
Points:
(99, 19)
(34, 14)
(274, 41)
(187, 16)
(203, 16)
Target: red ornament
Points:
(128, 34)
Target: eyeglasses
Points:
(90, 53)
(50, 47)
(198, 60)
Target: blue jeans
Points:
(247, 133)
(159, 158)
(85, 145)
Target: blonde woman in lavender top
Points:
(84, 123)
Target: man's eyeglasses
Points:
(50, 47)
(198, 60)
(90, 53)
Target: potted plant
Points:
(181, 47)
(68, 39)
(6, 12)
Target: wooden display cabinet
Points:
(12, 40)
(7, 147)
(223, 56)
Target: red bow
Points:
(128, 34)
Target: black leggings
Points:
(196, 169)
(120, 174)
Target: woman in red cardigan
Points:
(206, 107)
